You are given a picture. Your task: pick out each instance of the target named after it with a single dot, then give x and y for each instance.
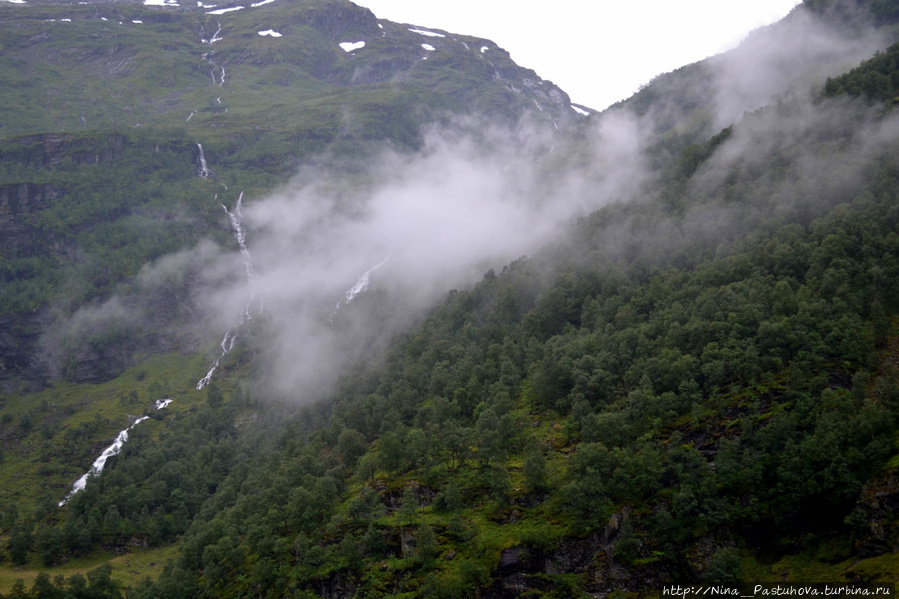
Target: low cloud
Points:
(353, 251)
(426, 222)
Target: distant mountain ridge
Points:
(132, 65)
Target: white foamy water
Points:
(112, 450)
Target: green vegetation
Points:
(699, 385)
(876, 79)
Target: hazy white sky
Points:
(599, 51)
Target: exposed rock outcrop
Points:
(879, 508)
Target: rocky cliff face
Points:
(530, 571)
(19, 363)
(42, 182)
(877, 516)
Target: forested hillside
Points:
(686, 372)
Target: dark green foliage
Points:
(694, 393)
(351, 446)
(19, 543)
(876, 79)
(449, 500)
(98, 585)
(724, 568)
(426, 548)
(700, 367)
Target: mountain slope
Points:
(110, 110)
(692, 382)
(124, 65)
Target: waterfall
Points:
(227, 344)
(217, 82)
(215, 36)
(220, 82)
(236, 219)
(362, 283)
(203, 170)
(114, 449)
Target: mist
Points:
(790, 58)
(347, 255)
(351, 252)
(798, 53)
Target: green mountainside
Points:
(676, 362)
(109, 107)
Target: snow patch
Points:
(16, 1)
(222, 11)
(258, 4)
(580, 111)
(484, 49)
(138, 21)
(163, 403)
(270, 32)
(350, 46)
(428, 47)
(427, 33)
(160, 3)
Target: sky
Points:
(598, 51)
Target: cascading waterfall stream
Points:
(218, 71)
(236, 219)
(221, 81)
(227, 344)
(114, 449)
(215, 36)
(203, 170)
(362, 283)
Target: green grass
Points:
(127, 569)
(817, 568)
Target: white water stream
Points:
(227, 344)
(362, 283)
(221, 81)
(112, 450)
(215, 36)
(203, 171)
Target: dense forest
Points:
(697, 382)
